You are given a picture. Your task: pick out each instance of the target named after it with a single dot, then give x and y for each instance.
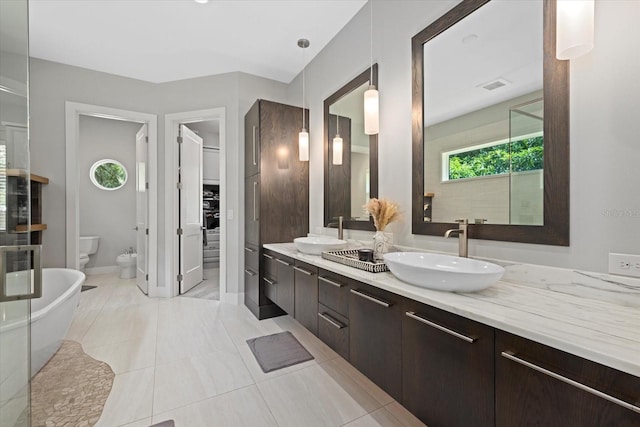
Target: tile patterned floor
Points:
(186, 359)
(70, 390)
(209, 288)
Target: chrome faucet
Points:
(461, 231)
(338, 224)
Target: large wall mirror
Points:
(351, 156)
(491, 124)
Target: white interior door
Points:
(142, 215)
(190, 199)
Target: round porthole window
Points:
(108, 174)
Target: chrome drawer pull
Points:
(302, 270)
(267, 256)
(370, 298)
(249, 272)
(421, 319)
(330, 320)
(271, 282)
(250, 250)
(331, 282)
(511, 356)
(283, 262)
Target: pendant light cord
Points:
(371, 43)
(304, 66)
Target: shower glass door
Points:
(19, 281)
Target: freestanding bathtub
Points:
(51, 317)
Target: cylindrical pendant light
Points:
(574, 28)
(303, 136)
(371, 102)
(337, 144)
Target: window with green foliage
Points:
(518, 156)
(108, 174)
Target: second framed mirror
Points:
(350, 156)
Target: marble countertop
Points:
(591, 315)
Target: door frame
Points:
(73, 111)
(172, 122)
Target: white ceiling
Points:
(167, 40)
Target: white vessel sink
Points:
(315, 245)
(443, 272)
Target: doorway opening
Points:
(138, 167)
(196, 252)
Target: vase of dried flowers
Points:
(383, 212)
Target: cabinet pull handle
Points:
(331, 320)
(302, 270)
(267, 256)
(271, 282)
(370, 298)
(251, 250)
(511, 356)
(283, 262)
(331, 282)
(255, 184)
(421, 319)
(254, 146)
(249, 272)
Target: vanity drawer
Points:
(333, 330)
(251, 259)
(333, 291)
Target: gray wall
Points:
(605, 197)
(108, 214)
(52, 84)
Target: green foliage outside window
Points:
(519, 156)
(110, 175)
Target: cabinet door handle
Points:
(302, 270)
(370, 298)
(511, 356)
(267, 256)
(283, 262)
(331, 282)
(331, 320)
(249, 272)
(421, 319)
(255, 215)
(271, 282)
(250, 250)
(254, 146)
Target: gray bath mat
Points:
(278, 351)
(87, 288)
(168, 423)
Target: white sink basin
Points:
(443, 272)
(315, 245)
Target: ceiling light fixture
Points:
(303, 136)
(574, 28)
(371, 100)
(337, 144)
(201, 1)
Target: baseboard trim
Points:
(101, 270)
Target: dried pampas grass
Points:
(383, 212)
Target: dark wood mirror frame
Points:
(358, 81)
(555, 230)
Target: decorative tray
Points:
(350, 257)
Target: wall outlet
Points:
(624, 264)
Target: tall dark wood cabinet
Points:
(276, 192)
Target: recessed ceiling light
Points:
(201, 1)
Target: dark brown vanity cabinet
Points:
(333, 311)
(276, 196)
(447, 368)
(375, 338)
(542, 386)
(279, 280)
(306, 295)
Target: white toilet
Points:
(88, 246)
(127, 263)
